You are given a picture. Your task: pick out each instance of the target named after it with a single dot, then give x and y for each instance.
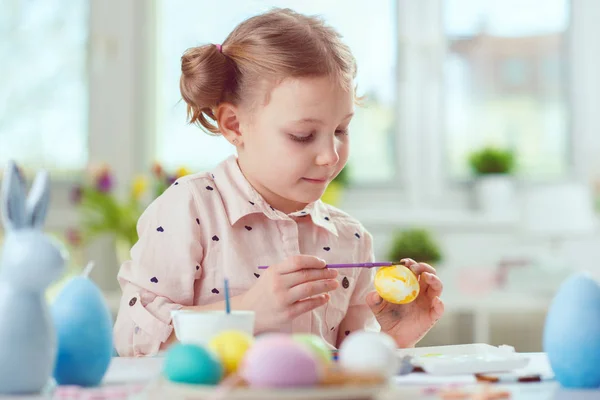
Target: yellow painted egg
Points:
(231, 347)
(397, 284)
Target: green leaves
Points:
(343, 177)
(102, 213)
(492, 160)
(415, 243)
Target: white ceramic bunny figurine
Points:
(30, 262)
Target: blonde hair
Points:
(272, 46)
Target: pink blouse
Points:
(210, 226)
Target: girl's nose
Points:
(328, 154)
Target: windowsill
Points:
(386, 209)
(455, 220)
(380, 209)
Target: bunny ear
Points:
(13, 199)
(38, 200)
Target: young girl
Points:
(279, 89)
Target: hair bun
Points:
(205, 73)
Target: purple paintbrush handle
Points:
(359, 265)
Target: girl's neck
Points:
(274, 200)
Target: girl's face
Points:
(293, 146)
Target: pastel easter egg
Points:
(280, 362)
(397, 284)
(230, 347)
(84, 330)
(572, 333)
(316, 345)
(369, 352)
(192, 364)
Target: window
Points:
(43, 84)
(370, 31)
(504, 83)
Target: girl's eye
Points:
(301, 139)
(341, 132)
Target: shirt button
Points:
(345, 283)
(132, 302)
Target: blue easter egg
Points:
(188, 363)
(572, 333)
(84, 331)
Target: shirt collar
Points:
(319, 213)
(241, 199)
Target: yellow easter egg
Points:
(230, 347)
(397, 284)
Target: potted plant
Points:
(416, 243)
(494, 185)
(335, 189)
(102, 212)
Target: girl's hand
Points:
(408, 323)
(289, 289)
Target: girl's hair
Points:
(266, 48)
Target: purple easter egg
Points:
(279, 362)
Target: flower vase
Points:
(496, 195)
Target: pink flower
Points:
(171, 179)
(157, 170)
(73, 237)
(104, 181)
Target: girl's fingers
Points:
(419, 268)
(306, 305)
(431, 285)
(437, 308)
(310, 289)
(299, 262)
(307, 275)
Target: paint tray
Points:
(465, 359)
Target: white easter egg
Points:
(369, 352)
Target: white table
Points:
(547, 389)
(127, 376)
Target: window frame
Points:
(120, 95)
(122, 101)
(429, 191)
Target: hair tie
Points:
(218, 47)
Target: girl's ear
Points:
(38, 200)
(227, 116)
(13, 198)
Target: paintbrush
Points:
(356, 265)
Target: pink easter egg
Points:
(275, 361)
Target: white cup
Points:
(199, 327)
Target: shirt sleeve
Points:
(160, 276)
(359, 315)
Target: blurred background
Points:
(477, 148)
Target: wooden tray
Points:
(163, 389)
